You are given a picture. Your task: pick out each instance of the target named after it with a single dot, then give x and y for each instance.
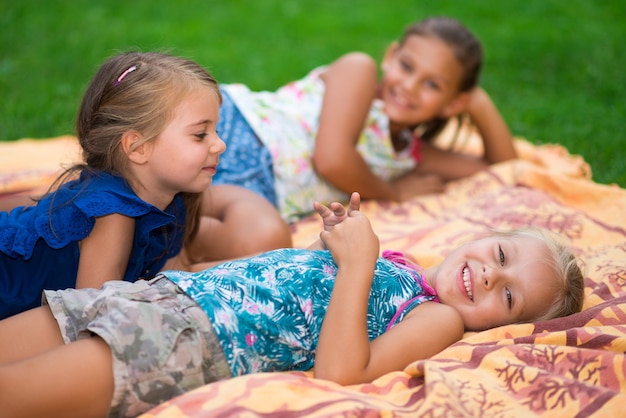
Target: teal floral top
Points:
(267, 310)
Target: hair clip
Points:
(124, 74)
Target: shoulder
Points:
(92, 185)
(357, 57)
(356, 64)
(351, 84)
(440, 316)
(427, 330)
(99, 194)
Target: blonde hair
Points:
(570, 281)
(135, 91)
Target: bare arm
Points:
(496, 136)
(429, 329)
(344, 352)
(350, 87)
(104, 254)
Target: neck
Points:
(158, 200)
(400, 136)
(429, 273)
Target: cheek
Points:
(392, 76)
(432, 98)
(477, 319)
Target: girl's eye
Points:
(509, 298)
(501, 253)
(405, 66)
(200, 135)
(432, 85)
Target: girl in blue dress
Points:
(336, 307)
(146, 126)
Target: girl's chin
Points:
(399, 116)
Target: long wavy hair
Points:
(134, 91)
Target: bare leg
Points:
(74, 380)
(28, 334)
(237, 222)
(41, 376)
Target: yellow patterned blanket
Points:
(572, 366)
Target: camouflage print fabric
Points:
(163, 344)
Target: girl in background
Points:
(342, 128)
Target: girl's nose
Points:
(218, 147)
(410, 84)
(409, 80)
(488, 277)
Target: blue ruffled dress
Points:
(39, 244)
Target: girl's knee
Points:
(237, 223)
(269, 233)
(260, 230)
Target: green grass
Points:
(555, 68)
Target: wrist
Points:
(395, 192)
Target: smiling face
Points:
(497, 280)
(184, 157)
(421, 80)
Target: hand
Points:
(335, 213)
(353, 243)
(413, 184)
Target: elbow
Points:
(344, 371)
(327, 167)
(336, 376)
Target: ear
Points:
(133, 147)
(457, 106)
(391, 51)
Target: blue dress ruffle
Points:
(39, 244)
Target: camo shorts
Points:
(163, 344)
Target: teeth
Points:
(467, 283)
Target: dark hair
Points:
(135, 91)
(466, 48)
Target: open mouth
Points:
(401, 101)
(467, 283)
